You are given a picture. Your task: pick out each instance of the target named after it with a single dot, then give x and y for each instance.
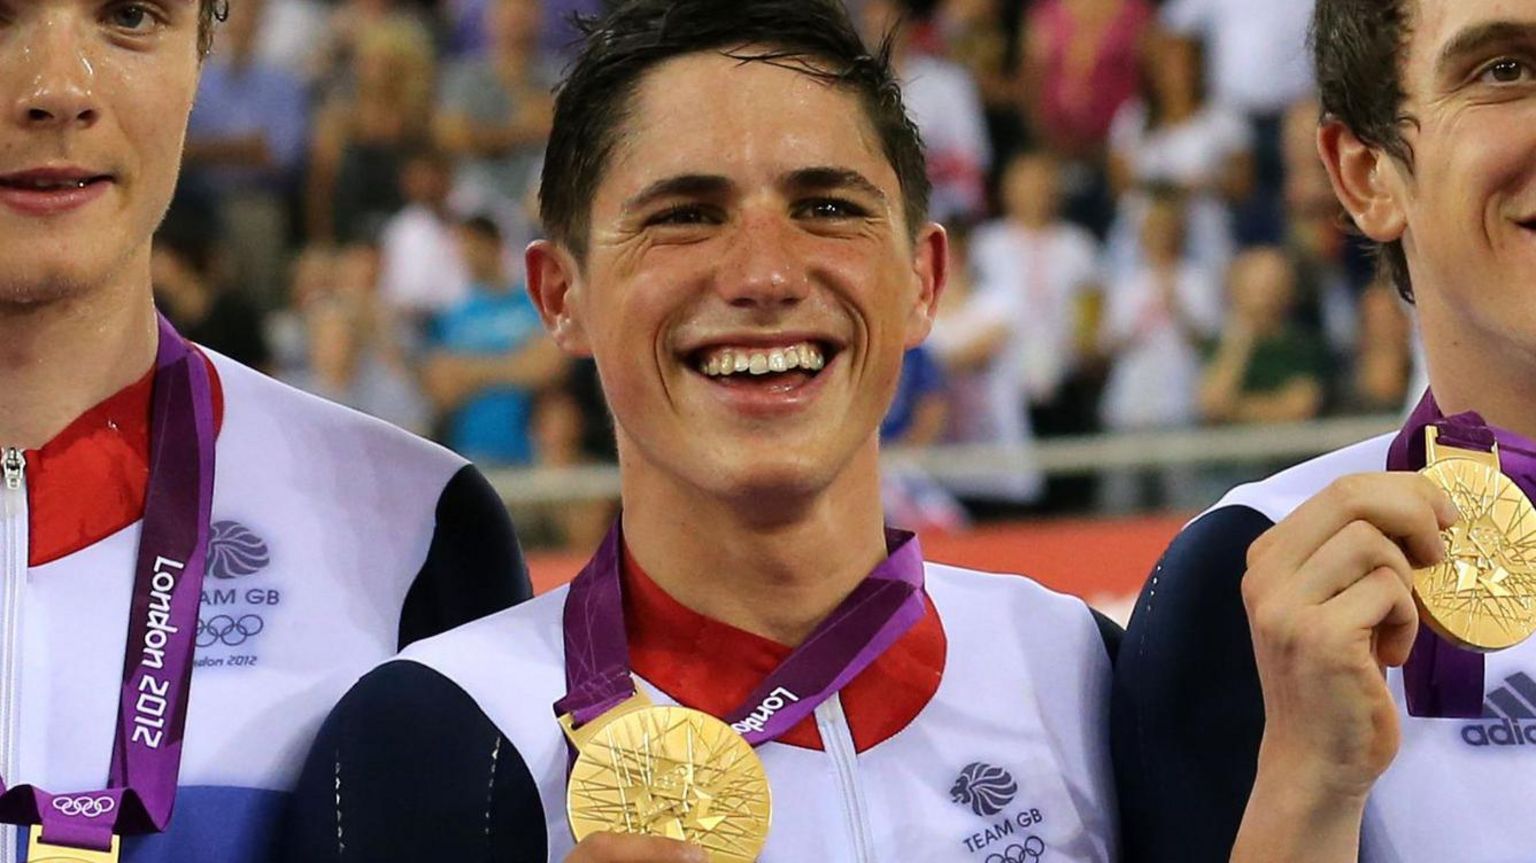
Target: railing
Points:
(1062, 456)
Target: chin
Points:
(34, 285)
(772, 486)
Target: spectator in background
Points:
(987, 403)
(1172, 136)
(1384, 362)
(352, 358)
(490, 357)
(1157, 319)
(494, 113)
(348, 25)
(917, 418)
(1046, 267)
(1267, 369)
(1329, 280)
(1081, 65)
(245, 142)
(363, 133)
(943, 100)
(293, 36)
(184, 267)
(422, 268)
(983, 37)
(1259, 66)
(918, 413)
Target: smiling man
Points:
(158, 499)
(1254, 706)
(736, 203)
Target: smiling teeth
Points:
(729, 361)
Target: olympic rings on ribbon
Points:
(84, 806)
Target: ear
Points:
(1369, 182)
(554, 283)
(930, 267)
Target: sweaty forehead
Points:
(748, 121)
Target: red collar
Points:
(713, 667)
(89, 482)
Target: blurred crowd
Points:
(1143, 235)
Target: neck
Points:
(61, 358)
(774, 577)
(1459, 359)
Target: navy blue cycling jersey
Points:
(1187, 713)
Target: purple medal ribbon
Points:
(162, 628)
(1440, 679)
(887, 603)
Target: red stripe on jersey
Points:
(89, 482)
(713, 667)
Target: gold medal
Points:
(39, 851)
(668, 771)
(1483, 595)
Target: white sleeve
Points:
(396, 280)
(970, 120)
(1201, 293)
(1123, 300)
(989, 255)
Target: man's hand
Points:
(1330, 605)
(631, 848)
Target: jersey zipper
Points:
(837, 739)
(13, 568)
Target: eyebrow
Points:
(815, 179)
(681, 186)
(1479, 38)
(830, 179)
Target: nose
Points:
(54, 77)
(761, 269)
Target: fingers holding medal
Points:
(632, 848)
(1329, 603)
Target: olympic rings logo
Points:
(1031, 850)
(84, 806)
(229, 631)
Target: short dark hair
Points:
(1358, 48)
(814, 37)
(209, 11)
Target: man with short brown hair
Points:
(195, 560)
(1253, 706)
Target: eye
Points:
(1506, 71)
(131, 17)
(683, 214)
(832, 208)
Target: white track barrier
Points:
(1248, 444)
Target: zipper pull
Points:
(14, 466)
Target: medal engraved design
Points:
(1482, 597)
(673, 772)
(39, 851)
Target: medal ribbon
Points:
(162, 628)
(887, 603)
(1440, 679)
